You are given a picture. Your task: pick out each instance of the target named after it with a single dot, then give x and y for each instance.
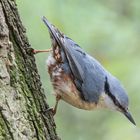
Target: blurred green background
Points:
(110, 31)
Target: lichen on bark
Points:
(22, 99)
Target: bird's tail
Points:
(54, 32)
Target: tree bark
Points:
(22, 99)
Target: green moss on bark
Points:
(23, 98)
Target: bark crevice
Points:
(22, 96)
(5, 122)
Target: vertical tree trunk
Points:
(22, 99)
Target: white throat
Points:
(106, 102)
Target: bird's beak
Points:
(129, 117)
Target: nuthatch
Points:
(79, 79)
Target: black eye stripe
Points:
(107, 91)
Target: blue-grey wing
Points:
(91, 79)
(76, 68)
(88, 73)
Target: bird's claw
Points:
(30, 50)
(51, 109)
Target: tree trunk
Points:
(22, 99)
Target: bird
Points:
(79, 79)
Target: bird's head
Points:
(116, 98)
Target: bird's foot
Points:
(51, 109)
